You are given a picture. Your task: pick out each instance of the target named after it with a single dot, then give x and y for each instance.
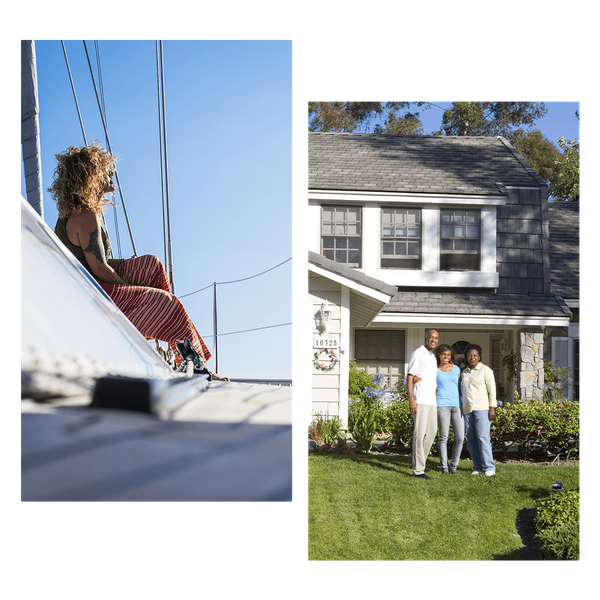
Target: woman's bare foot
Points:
(216, 377)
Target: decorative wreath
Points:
(324, 365)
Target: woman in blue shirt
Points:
(449, 408)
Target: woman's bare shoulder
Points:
(86, 219)
(81, 225)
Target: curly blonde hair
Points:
(79, 179)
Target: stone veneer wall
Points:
(531, 381)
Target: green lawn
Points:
(368, 507)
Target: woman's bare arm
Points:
(86, 228)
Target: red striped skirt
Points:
(149, 304)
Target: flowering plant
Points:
(378, 390)
(364, 414)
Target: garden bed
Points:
(499, 456)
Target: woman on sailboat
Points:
(139, 286)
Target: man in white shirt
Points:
(421, 396)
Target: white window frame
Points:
(358, 236)
(455, 239)
(405, 239)
(430, 205)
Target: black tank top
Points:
(61, 232)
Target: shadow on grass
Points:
(396, 463)
(388, 462)
(526, 529)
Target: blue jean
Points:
(479, 443)
(447, 414)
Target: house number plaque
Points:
(327, 340)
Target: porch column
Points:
(531, 380)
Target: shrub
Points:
(366, 411)
(326, 430)
(317, 425)
(332, 432)
(399, 422)
(557, 523)
(552, 426)
(362, 425)
(358, 381)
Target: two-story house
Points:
(414, 232)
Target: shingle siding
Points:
(564, 248)
(520, 243)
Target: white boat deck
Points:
(232, 442)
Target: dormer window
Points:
(341, 234)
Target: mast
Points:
(30, 131)
(162, 118)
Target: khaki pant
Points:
(423, 435)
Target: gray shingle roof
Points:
(473, 303)
(416, 164)
(351, 274)
(563, 218)
(459, 303)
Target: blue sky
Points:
(229, 149)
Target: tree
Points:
(560, 169)
(409, 124)
(346, 117)
(490, 118)
(566, 183)
(540, 153)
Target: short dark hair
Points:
(474, 347)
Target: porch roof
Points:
(354, 277)
(470, 303)
(367, 294)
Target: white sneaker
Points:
(475, 473)
(490, 473)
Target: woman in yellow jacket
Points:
(478, 392)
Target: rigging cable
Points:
(247, 330)
(115, 216)
(237, 280)
(74, 94)
(80, 119)
(162, 120)
(109, 147)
